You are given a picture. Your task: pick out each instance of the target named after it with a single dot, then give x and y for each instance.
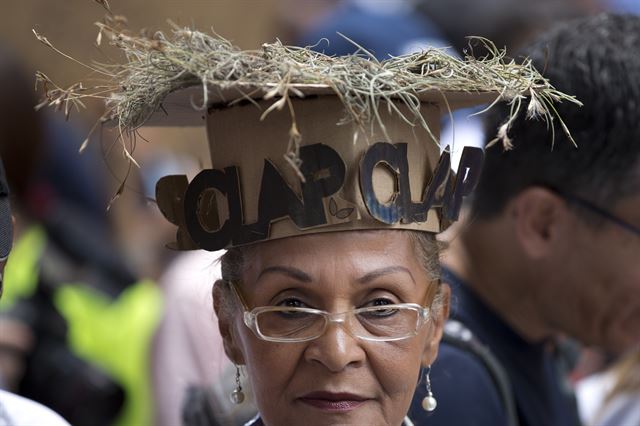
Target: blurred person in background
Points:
(612, 397)
(405, 26)
(621, 6)
(192, 377)
(16, 410)
(76, 322)
(593, 369)
(551, 246)
(382, 28)
(510, 23)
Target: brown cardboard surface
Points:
(185, 107)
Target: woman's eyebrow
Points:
(294, 273)
(370, 276)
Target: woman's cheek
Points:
(271, 365)
(397, 364)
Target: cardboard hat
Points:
(301, 142)
(387, 174)
(286, 162)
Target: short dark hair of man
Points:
(598, 62)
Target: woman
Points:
(360, 363)
(329, 297)
(327, 186)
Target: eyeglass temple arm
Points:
(234, 288)
(592, 207)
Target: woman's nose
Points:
(336, 349)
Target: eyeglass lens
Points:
(369, 323)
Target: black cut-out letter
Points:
(276, 200)
(324, 173)
(395, 157)
(227, 182)
(170, 192)
(465, 181)
(430, 196)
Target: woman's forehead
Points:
(379, 240)
(356, 253)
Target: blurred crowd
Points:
(103, 324)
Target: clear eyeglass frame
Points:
(251, 320)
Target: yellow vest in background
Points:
(114, 335)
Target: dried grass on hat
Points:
(157, 65)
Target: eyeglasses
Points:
(588, 205)
(285, 324)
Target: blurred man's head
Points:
(572, 214)
(506, 22)
(6, 224)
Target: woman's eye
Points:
(292, 314)
(292, 303)
(381, 312)
(381, 301)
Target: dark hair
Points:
(596, 59)
(505, 22)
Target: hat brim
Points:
(187, 107)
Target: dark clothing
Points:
(464, 388)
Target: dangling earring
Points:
(237, 396)
(429, 403)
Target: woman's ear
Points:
(226, 312)
(440, 315)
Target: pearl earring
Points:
(429, 403)
(237, 396)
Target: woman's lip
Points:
(336, 402)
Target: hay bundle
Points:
(156, 65)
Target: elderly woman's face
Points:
(336, 378)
